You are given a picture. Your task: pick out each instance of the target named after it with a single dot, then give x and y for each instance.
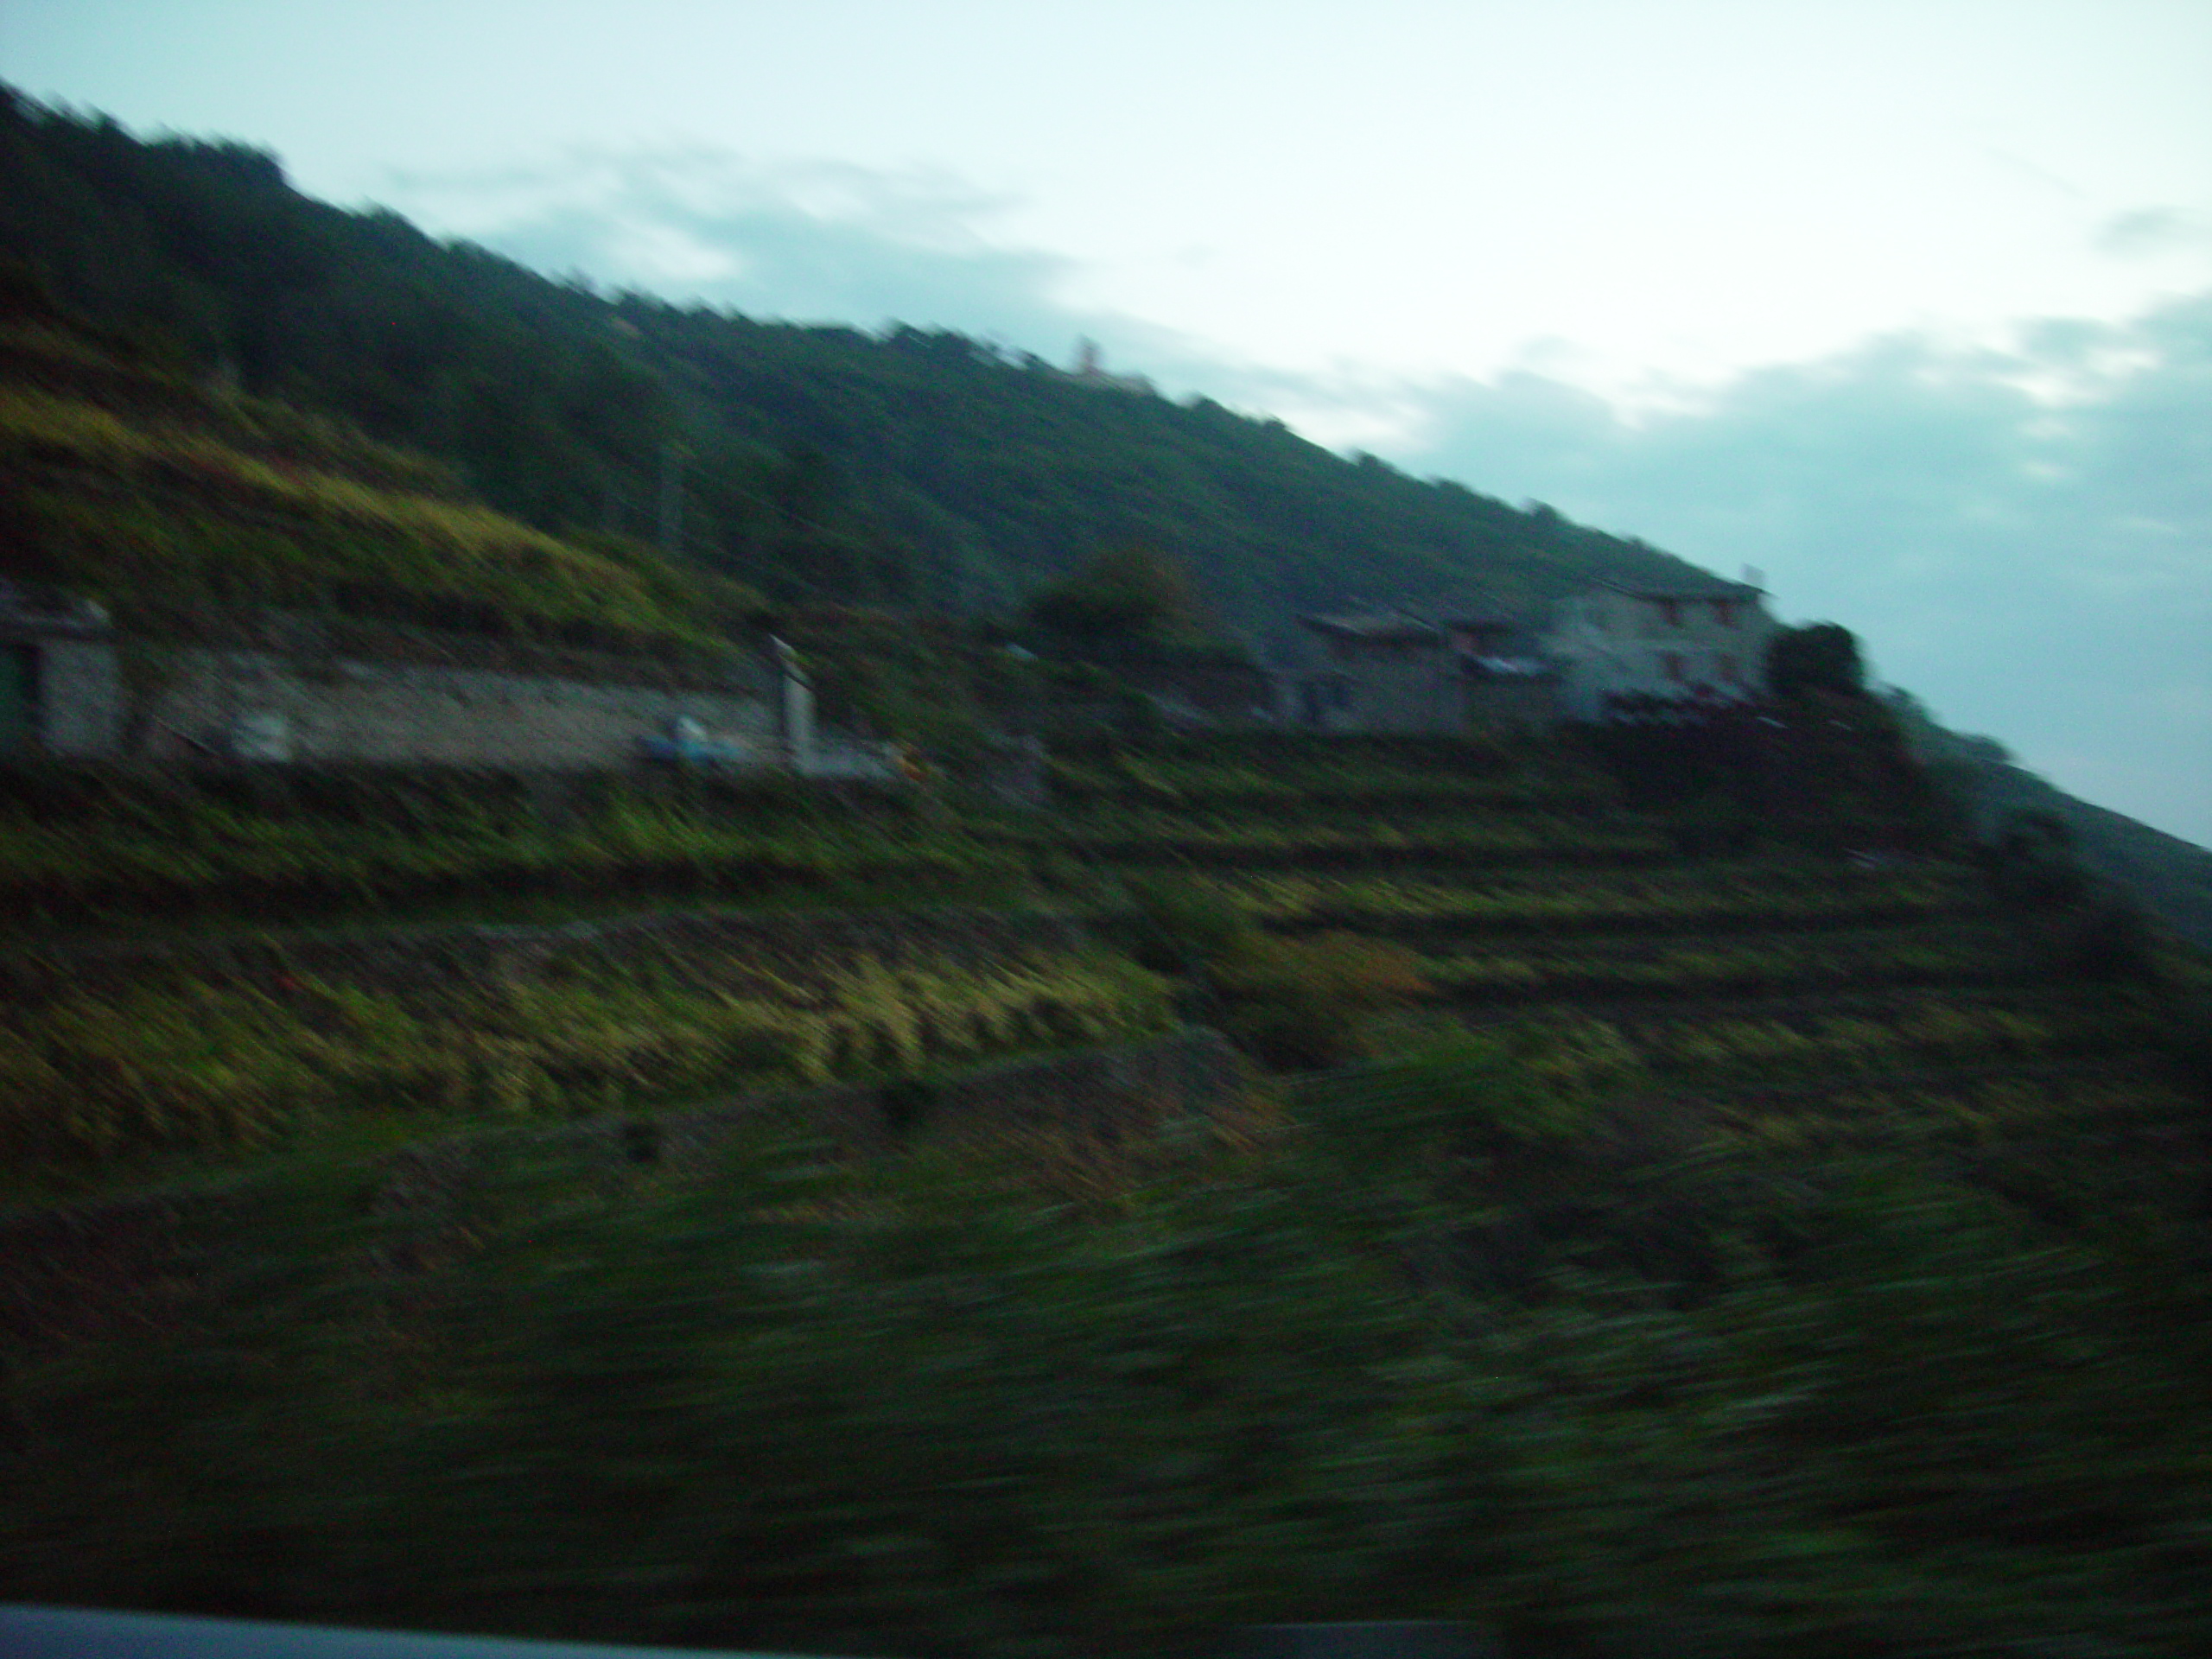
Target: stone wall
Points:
(262, 705)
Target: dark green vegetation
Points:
(814, 463)
(1454, 1341)
(84, 850)
(1756, 1252)
(1840, 937)
(173, 504)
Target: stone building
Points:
(1373, 672)
(1696, 642)
(1617, 650)
(1388, 672)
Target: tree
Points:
(1820, 656)
(1125, 599)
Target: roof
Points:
(1507, 668)
(1377, 627)
(30, 606)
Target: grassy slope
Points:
(1756, 1319)
(140, 490)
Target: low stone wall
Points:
(262, 705)
(85, 1272)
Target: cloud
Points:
(808, 242)
(2154, 231)
(2023, 535)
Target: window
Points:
(1723, 612)
(1670, 663)
(1671, 611)
(1725, 665)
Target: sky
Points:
(1909, 305)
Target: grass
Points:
(99, 1080)
(1773, 893)
(432, 848)
(127, 510)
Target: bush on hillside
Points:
(2033, 864)
(1307, 1003)
(1124, 601)
(1820, 656)
(1178, 926)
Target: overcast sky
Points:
(1907, 304)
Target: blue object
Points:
(699, 750)
(78, 1633)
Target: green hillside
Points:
(2167, 876)
(913, 468)
(1630, 1247)
(166, 501)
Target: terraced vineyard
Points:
(189, 1060)
(1781, 991)
(1739, 896)
(1211, 835)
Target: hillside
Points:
(1781, 975)
(2170, 877)
(1670, 1191)
(913, 467)
(1635, 1245)
(2167, 876)
(169, 502)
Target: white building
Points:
(1700, 641)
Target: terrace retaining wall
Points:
(457, 955)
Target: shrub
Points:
(1820, 656)
(1465, 1091)
(2105, 940)
(1178, 924)
(1308, 1003)
(2032, 862)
